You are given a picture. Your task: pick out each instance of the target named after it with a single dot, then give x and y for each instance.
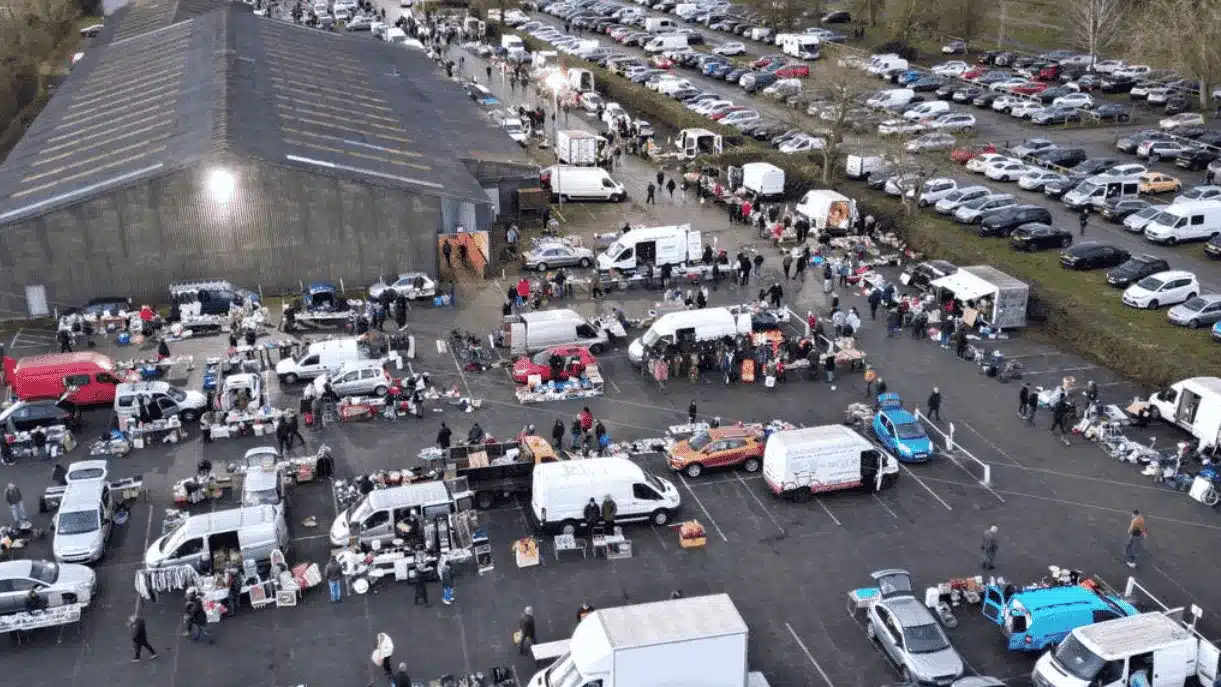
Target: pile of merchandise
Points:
(165, 431)
(348, 492)
(148, 369)
(587, 385)
(58, 441)
(418, 549)
(236, 423)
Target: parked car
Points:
(1039, 236)
(54, 583)
(1057, 114)
(953, 121)
(1117, 209)
(909, 634)
(1003, 222)
(1197, 312)
(1092, 255)
(1062, 158)
(1156, 182)
(1195, 158)
(551, 255)
(1181, 120)
(1031, 146)
(1137, 221)
(572, 359)
(1163, 288)
(1134, 269)
(1036, 179)
(1112, 112)
(22, 416)
(933, 141)
(1203, 192)
(718, 448)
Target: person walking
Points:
(1137, 533)
(828, 366)
(758, 265)
(446, 572)
(382, 651)
(989, 547)
(525, 630)
(661, 179)
(421, 589)
(1084, 218)
(801, 267)
(139, 637)
(871, 377)
(401, 678)
(934, 405)
(1024, 400)
(447, 250)
(691, 412)
(444, 436)
(786, 265)
(651, 199)
(557, 434)
(197, 620)
(334, 575)
(294, 429)
(284, 440)
(16, 504)
(1059, 419)
(670, 186)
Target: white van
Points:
(396, 35)
(828, 210)
(670, 41)
(892, 98)
(375, 517)
(881, 64)
(246, 533)
(1097, 190)
(803, 46)
(584, 183)
(317, 359)
(926, 110)
(510, 41)
(657, 246)
(689, 326)
(763, 180)
(1192, 404)
(660, 25)
(537, 331)
(562, 489)
(1190, 221)
(187, 404)
(86, 515)
(802, 462)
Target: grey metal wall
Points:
(283, 225)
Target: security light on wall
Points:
(221, 185)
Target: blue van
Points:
(1039, 618)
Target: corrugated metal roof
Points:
(164, 92)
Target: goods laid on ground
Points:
(588, 385)
(58, 441)
(691, 534)
(417, 550)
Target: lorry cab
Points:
(1168, 651)
(1193, 405)
(1040, 618)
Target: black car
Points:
(1212, 138)
(1004, 222)
(1052, 93)
(1116, 84)
(1195, 158)
(1112, 111)
(1117, 209)
(986, 99)
(1134, 269)
(23, 416)
(1059, 157)
(1192, 132)
(923, 274)
(1092, 166)
(947, 91)
(1038, 236)
(1213, 248)
(837, 17)
(1176, 104)
(1092, 256)
(1055, 189)
(927, 83)
(685, 93)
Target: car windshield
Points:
(1165, 219)
(924, 639)
(1196, 304)
(614, 250)
(1149, 213)
(910, 430)
(650, 337)
(1150, 283)
(175, 393)
(699, 441)
(1077, 660)
(44, 571)
(542, 358)
(655, 483)
(1087, 188)
(266, 497)
(77, 522)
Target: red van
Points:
(50, 376)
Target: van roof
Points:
(224, 520)
(418, 494)
(138, 387)
(1073, 595)
(34, 362)
(551, 316)
(1211, 385)
(1115, 639)
(691, 318)
(323, 345)
(652, 232)
(823, 434)
(1188, 206)
(582, 470)
(665, 622)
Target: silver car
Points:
(408, 284)
(1197, 312)
(56, 583)
(975, 211)
(909, 634)
(356, 378)
(550, 255)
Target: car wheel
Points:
(660, 517)
(564, 198)
(584, 262)
(189, 416)
(617, 198)
(694, 470)
(380, 391)
(597, 349)
(1194, 324)
(1153, 304)
(291, 378)
(1154, 157)
(1189, 296)
(751, 465)
(541, 267)
(905, 675)
(1170, 240)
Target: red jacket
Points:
(587, 420)
(523, 288)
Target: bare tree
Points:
(1097, 24)
(837, 111)
(1182, 35)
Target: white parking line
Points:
(883, 504)
(990, 443)
(926, 487)
(828, 511)
(805, 650)
(13, 343)
(700, 503)
(766, 511)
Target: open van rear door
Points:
(1207, 659)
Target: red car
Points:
(573, 359)
(765, 61)
(975, 72)
(1029, 88)
(963, 155)
(793, 71)
(721, 115)
(1050, 73)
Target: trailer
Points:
(498, 469)
(320, 303)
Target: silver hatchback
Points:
(909, 634)
(357, 378)
(1197, 312)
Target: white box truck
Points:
(579, 148)
(1168, 651)
(671, 245)
(828, 211)
(802, 462)
(694, 642)
(1192, 404)
(763, 180)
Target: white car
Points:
(410, 285)
(902, 184)
(55, 583)
(1036, 179)
(893, 127)
(1180, 120)
(952, 68)
(979, 163)
(1006, 103)
(933, 141)
(729, 49)
(1082, 100)
(1137, 221)
(1006, 170)
(1026, 109)
(1164, 288)
(1210, 192)
(1109, 66)
(953, 121)
(1130, 169)
(934, 190)
(802, 144)
(740, 118)
(1158, 96)
(1006, 84)
(707, 106)
(1132, 71)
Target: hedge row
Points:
(1077, 311)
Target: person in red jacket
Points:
(587, 419)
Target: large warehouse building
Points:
(197, 141)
